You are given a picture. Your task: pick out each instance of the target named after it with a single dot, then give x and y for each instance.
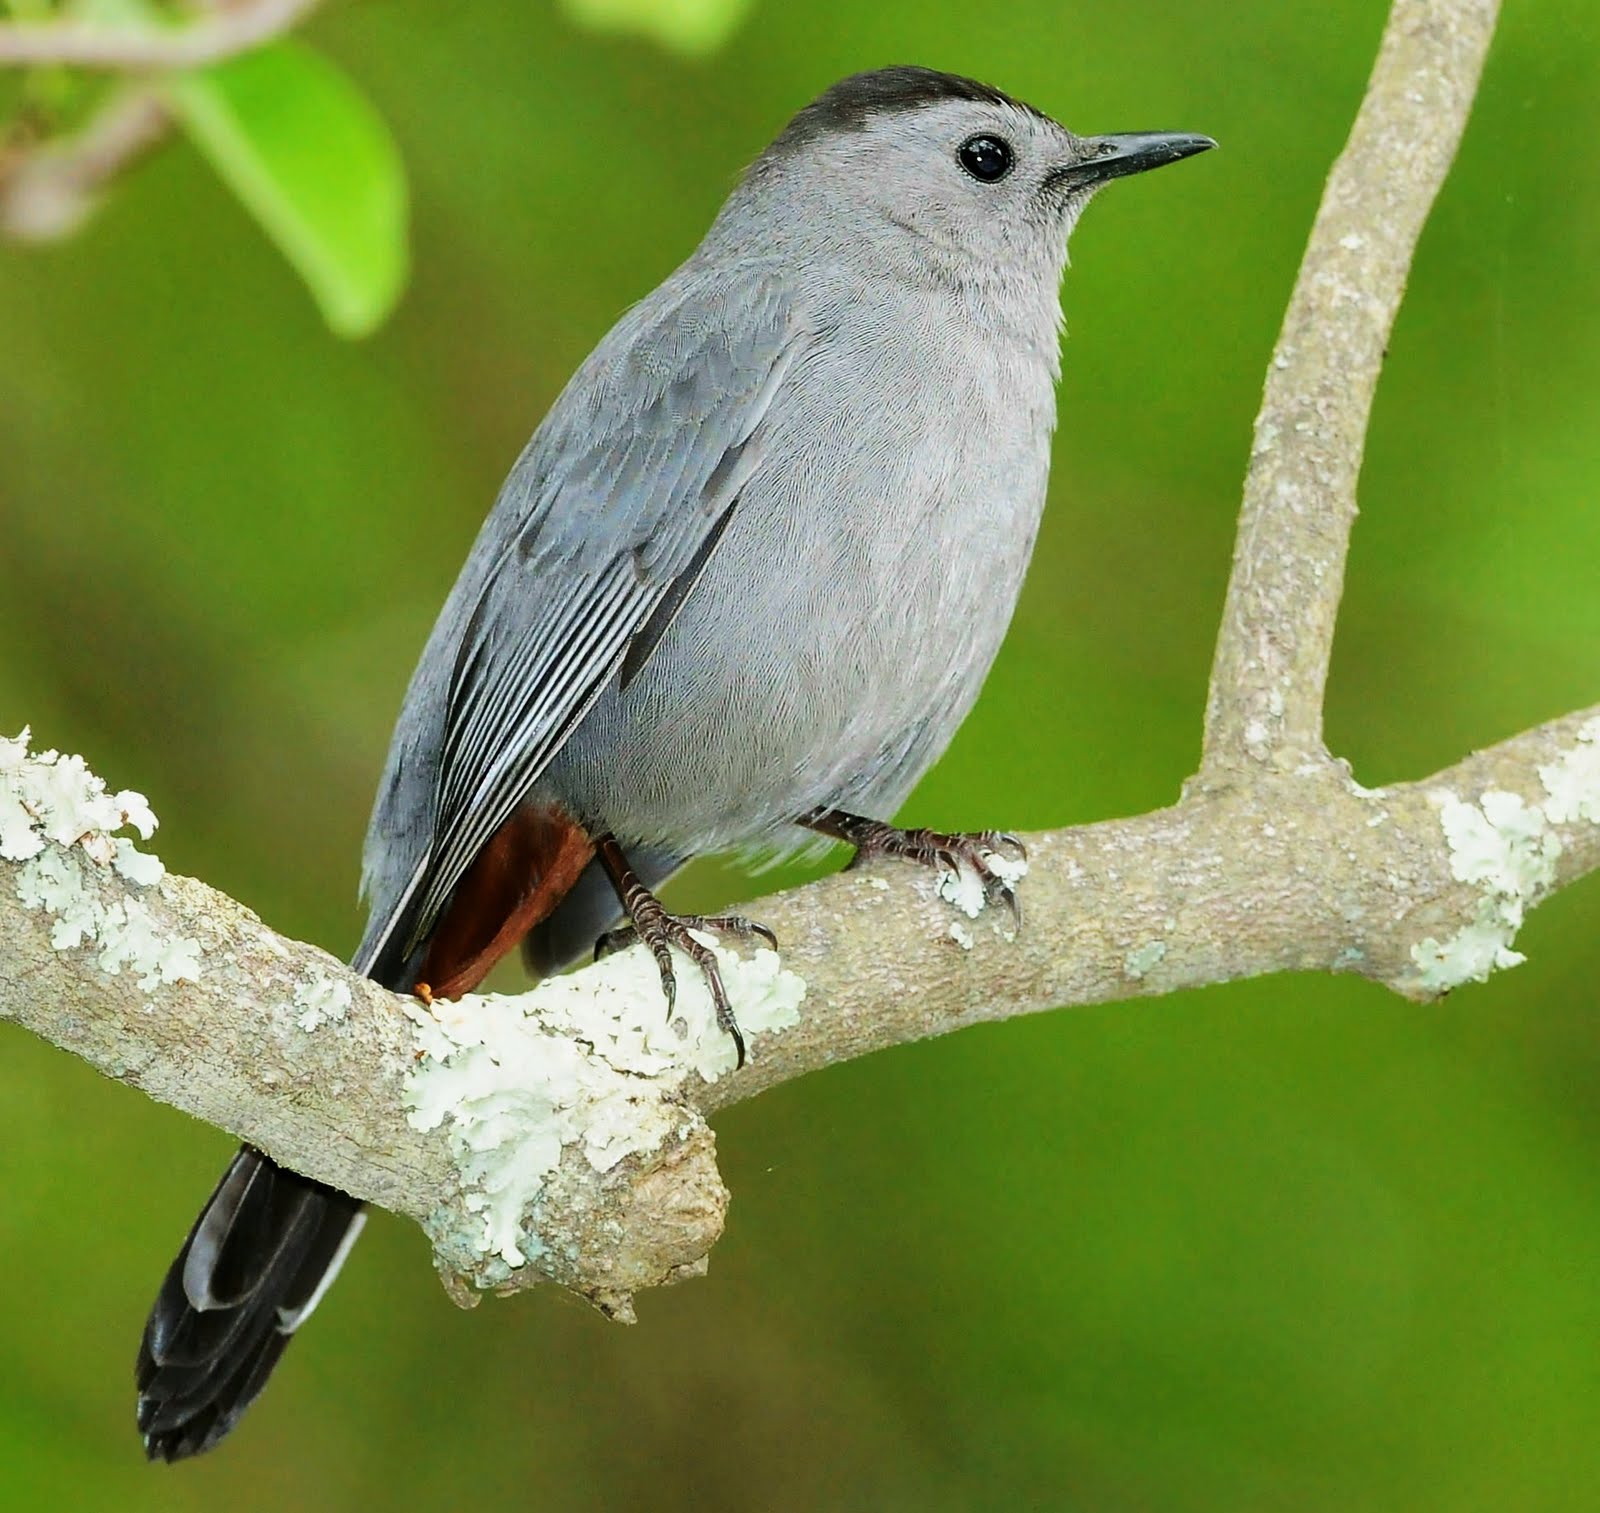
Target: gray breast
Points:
(844, 624)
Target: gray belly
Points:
(836, 639)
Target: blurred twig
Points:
(47, 192)
(47, 189)
(1271, 666)
(221, 33)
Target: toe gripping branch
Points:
(660, 930)
(927, 848)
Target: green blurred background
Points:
(1292, 1244)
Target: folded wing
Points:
(598, 535)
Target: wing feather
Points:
(613, 508)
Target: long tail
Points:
(269, 1242)
(265, 1248)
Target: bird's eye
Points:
(987, 159)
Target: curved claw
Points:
(669, 980)
(731, 924)
(996, 840)
(707, 962)
(997, 888)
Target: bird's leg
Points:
(661, 931)
(929, 848)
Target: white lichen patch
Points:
(47, 798)
(1501, 842)
(589, 1061)
(1470, 955)
(58, 821)
(964, 887)
(1009, 869)
(1573, 780)
(139, 867)
(1507, 848)
(323, 1000)
(1144, 959)
(960, 934)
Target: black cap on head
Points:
(849, 104)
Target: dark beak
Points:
(1113, 157)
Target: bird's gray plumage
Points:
(823, 443)
(755, 563)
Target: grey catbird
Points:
(740, 588)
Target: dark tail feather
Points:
(259, 1258)
(268, 1243)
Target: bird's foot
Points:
(713, 924)
(661, 931)
(992, 856)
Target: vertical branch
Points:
(1271, 666)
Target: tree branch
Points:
(48, 191)
(223, 33)
(1421, 886)
(562, 1133)
(1271, 665)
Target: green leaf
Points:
(312, 160)
(685, 26)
